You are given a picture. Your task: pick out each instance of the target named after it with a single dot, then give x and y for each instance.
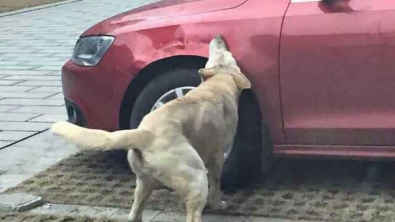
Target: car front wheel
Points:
(177, 83)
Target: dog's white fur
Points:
(173, 144)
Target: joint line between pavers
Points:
(38, 115)
(18, 82)
(10, 110)
(54, 94)
(11, 144)
(36, 87)
(5, 76)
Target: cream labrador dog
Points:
(174, 144)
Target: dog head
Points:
(221, 61)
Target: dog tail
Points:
(94, 139)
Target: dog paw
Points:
(133, 218)
(222, 205)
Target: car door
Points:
(337, 72)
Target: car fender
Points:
(139, 49)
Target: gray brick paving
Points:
(8, 180)
(39, 83)
(8, 62)
(3, 144)
(24, 72)
(17, 117)
(28, 157)
(40, 109)
(56, 96)
(49, 118)
(47, 67)
(55, 89)
(14, 135)
(62, 55)
(39, 78)
(26, 95)
(9, 82)
(35, 36)
(10, 89)
(54, 73)
(23, 126)
(6, 108)
(18, 67)
(32, 102)
(3, 76)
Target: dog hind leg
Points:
(144, 186)
(196, 198)
(142, 193)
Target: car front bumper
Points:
(93, 95)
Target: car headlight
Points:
(89, 50)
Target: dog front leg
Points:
(214, 177)
(141, 195)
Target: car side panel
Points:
(338, 73)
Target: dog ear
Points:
(206, 73)
(241, 81)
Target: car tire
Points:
(242, 160)
(243, 165)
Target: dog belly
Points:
(208, 142)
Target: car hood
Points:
(161, 9)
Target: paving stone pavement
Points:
(148, 215)
(34, 46)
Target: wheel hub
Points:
(177, 93)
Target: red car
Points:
(322, 73)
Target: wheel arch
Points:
(147, 74)
(158, 67)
